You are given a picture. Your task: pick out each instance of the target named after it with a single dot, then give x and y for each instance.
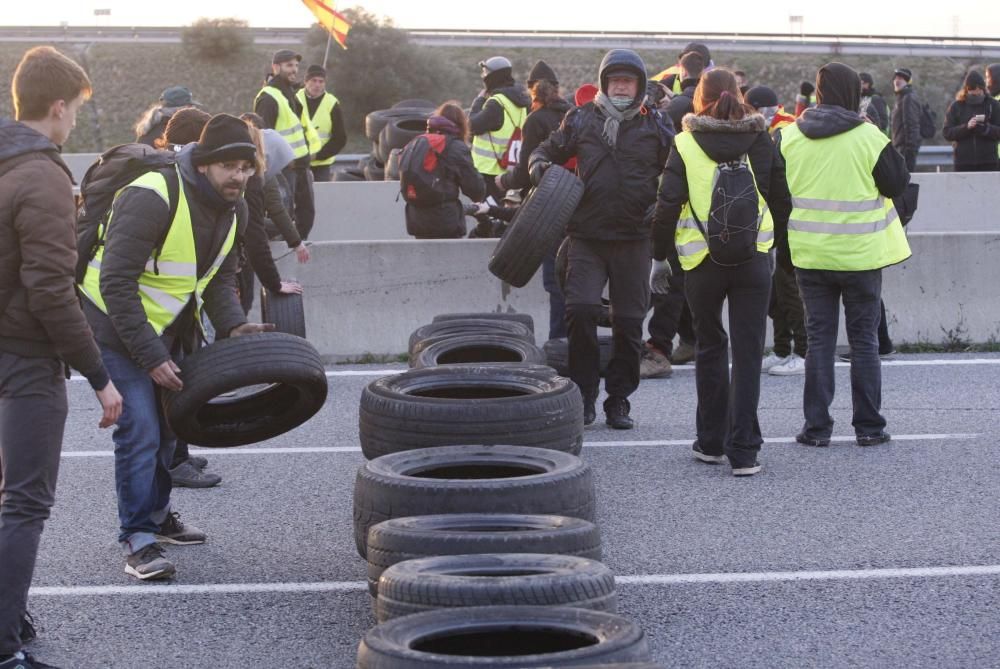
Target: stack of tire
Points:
(474, 498)
(389, 131)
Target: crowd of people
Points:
(699, 190)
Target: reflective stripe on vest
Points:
(692, 247)
(321, 122)
(488, 148)
(839, 220)
(288, 125)
(170, 282)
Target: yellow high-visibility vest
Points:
(300, 137)
(488, 148)
(321, 123)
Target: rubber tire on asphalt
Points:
(539, 481)
(525, 319)
(286, 312)
(398, 132)
(392, 165)
(546, 413)
(391, 645)
(415, 537)
(425, 335)
(297, 390)
(478, 349)
(537, 227)
(557, 353)
(377, 120)
(515, 579)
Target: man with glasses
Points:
(144, 291)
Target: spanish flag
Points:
(334, 22)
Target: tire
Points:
(289, 365)
(392, 165)
(519, 635)
(516, 579)
(484, 479)
(377, 120)
(397, 133)
(285, 311)
(557, 353)
(416, 103)
(427, 334)
(478, 349)
(471, 404)
(525, 319)
(415, 537)
(537, 227)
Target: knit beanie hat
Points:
(760, 97)
(974, 80)
(541, 70)
(315, 71)
(224, 138)
(903, 72)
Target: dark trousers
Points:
(322, 173)
(671, 315)
(625, 266)
(726, 418)
(788, 315)
(822, 292)
(33, 412)
(557, 301)
(885, 346)
(300, 184)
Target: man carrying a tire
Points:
(621, 147)
(145, 290)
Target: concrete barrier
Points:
(949, 201)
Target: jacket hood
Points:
(17, 139)
(623, 59)
(838, 85)
(188, 171)
(560, 105)
(159, 115)
(277, 152)
(724, 140)
(515, 94)
(827, 120)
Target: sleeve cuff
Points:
(98, 380)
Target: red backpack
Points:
(422, 180)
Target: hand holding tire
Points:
(291, 288)
(537, 171)
(251, 328)
(165, 375)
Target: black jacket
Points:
(537, 128)
(877, 109)
(682, 104)
(620, 183)
(973, 147)
(256, 244)
(488, 115)
(338, 137)
(447, 220)
(140, 223)
(267, 108)
(906, 121)
(723, 141)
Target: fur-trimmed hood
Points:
(724, 140)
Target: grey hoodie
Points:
(277, 151)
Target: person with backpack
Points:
(972, 125)
(720, 192)
(433, 169)
(842, 231)
(41, 326)
(495, 122)
(620, 146)
(153, 122)
(906, 122)
(167, 256)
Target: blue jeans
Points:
(144, 448)
(861, 292)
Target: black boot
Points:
(616, 411)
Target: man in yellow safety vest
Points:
(321, 109)
(495, 122)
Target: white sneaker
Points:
(770, 361)
(792, 366)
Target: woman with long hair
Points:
(714, 218)
(972, 125)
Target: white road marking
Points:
(640, 579)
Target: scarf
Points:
(614, 117)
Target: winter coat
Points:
(488, 115)
(537, 128)
(873, 105)
(722, 141)
(682, 104)
(256, 246)
(976, 147)
(620, 183)
(40, 314)
(906, 122)
(140, 222)
(447, 220)
(155, 125)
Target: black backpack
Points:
(422, 180)
(928, 121)
(116, 168)
(734, 215)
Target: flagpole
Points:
(326, 54)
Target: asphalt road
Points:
(838, 557)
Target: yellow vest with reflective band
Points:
(839, 220)
(675, 70)
(169, 282)
(488, 148)
(692, 246)
(321, 123)
(300, 137)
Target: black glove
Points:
(807, 89)
(537, 170)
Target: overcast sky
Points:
(977, 18)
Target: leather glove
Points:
(659, 277)
(537, 170)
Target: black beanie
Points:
(761, 96)
(974, 80)
(316, 71)
(224, 138)
(541, 70)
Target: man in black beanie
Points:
(906, 135)
(169, 250)
(322, 109)
(873, 105)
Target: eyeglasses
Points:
(234, 168)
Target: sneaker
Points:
(747, 470)
(173, 531)
(198, 461)
(589, 413)
(874, 439)
(23, 660)
(28, 632)
(149, 564)
(188, 475)
(702, 456)
(792, 366)
(653, 364)
(809, 441)
(683, 354)
(771, 360)
(616, 413)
